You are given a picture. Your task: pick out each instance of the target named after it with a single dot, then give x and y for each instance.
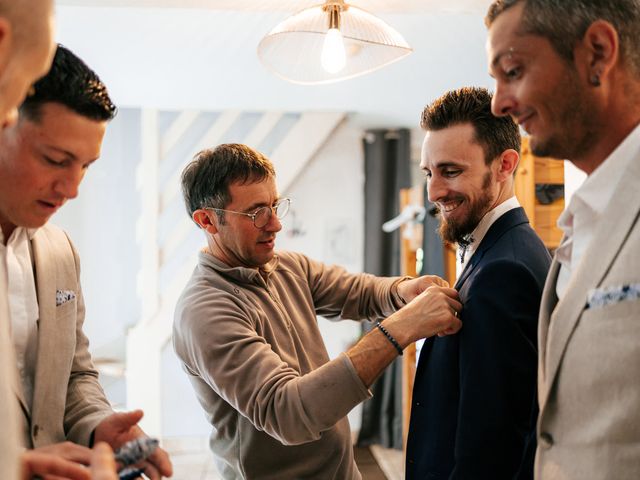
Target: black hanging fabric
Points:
(387, 155)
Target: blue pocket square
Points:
(64, 296)
(601, 297)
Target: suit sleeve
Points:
(497, 371)
(86, 404)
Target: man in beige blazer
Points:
(569, 73)
(43, 159)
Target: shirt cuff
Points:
(397, 301)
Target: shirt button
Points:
(546, 440)
(417, 404)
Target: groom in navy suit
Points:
(474, 399)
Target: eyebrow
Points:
(66, 153)
(498, 57)
(445, 164)
(257, 205)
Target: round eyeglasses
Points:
(262, 215)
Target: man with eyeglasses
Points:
(246, 328)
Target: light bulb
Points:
(333, 57)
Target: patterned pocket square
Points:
(601, 297)
(63, 296)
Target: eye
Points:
(451, 172)
(427, 174)
(513, 73)
(53, 162)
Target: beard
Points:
(455, 231)
(577, 119)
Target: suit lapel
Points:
(617, 220)
(547, 304)
(46, 275)
(506, 222)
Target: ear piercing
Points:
(595, 79)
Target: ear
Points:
(601, 50)
(506, 164)
(207, 220)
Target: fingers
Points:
(126, 420)
(118, 428)
(50, 466)
(68, 451)
(160, 460)
(103, 464)
(437, 281)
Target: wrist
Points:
(390, 338)
(397, 296)
(395, 329)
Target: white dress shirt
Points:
(581, 218)
(11, 439)
(480, 231)
(23, 304)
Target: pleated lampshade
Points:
(306, 48)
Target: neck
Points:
(619, 118)
(7, 230)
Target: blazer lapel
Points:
(547, 304)
(619, 217)
(46, 273)
(506, 222)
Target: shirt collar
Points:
(598, 189)
(481, 230)
(17, 233)
(489, 219)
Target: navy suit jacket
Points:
(474, 398)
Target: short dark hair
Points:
(473, 105)
(564, 23)
(73, 84)
(206, 180)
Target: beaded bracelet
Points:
(393, 341)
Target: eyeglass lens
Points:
(263, 215)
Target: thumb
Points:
(127, 419)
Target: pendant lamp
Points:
(330, 42)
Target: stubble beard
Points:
(453, 231)
(577, 123)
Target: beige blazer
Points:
(589, 368)
(68, 401)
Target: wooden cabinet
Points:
(534, 171)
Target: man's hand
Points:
(103, 463)
(433, 312)
(410, 289)
(42, 463)
(68, 451)
(118, 428)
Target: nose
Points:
(274, 224)
(69, 182)
(436, 189)
(502, 103)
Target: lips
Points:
(524, 121)
(48, 205)
(448, 206)
(269, 243)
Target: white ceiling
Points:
(203, 55)
(374, 6)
